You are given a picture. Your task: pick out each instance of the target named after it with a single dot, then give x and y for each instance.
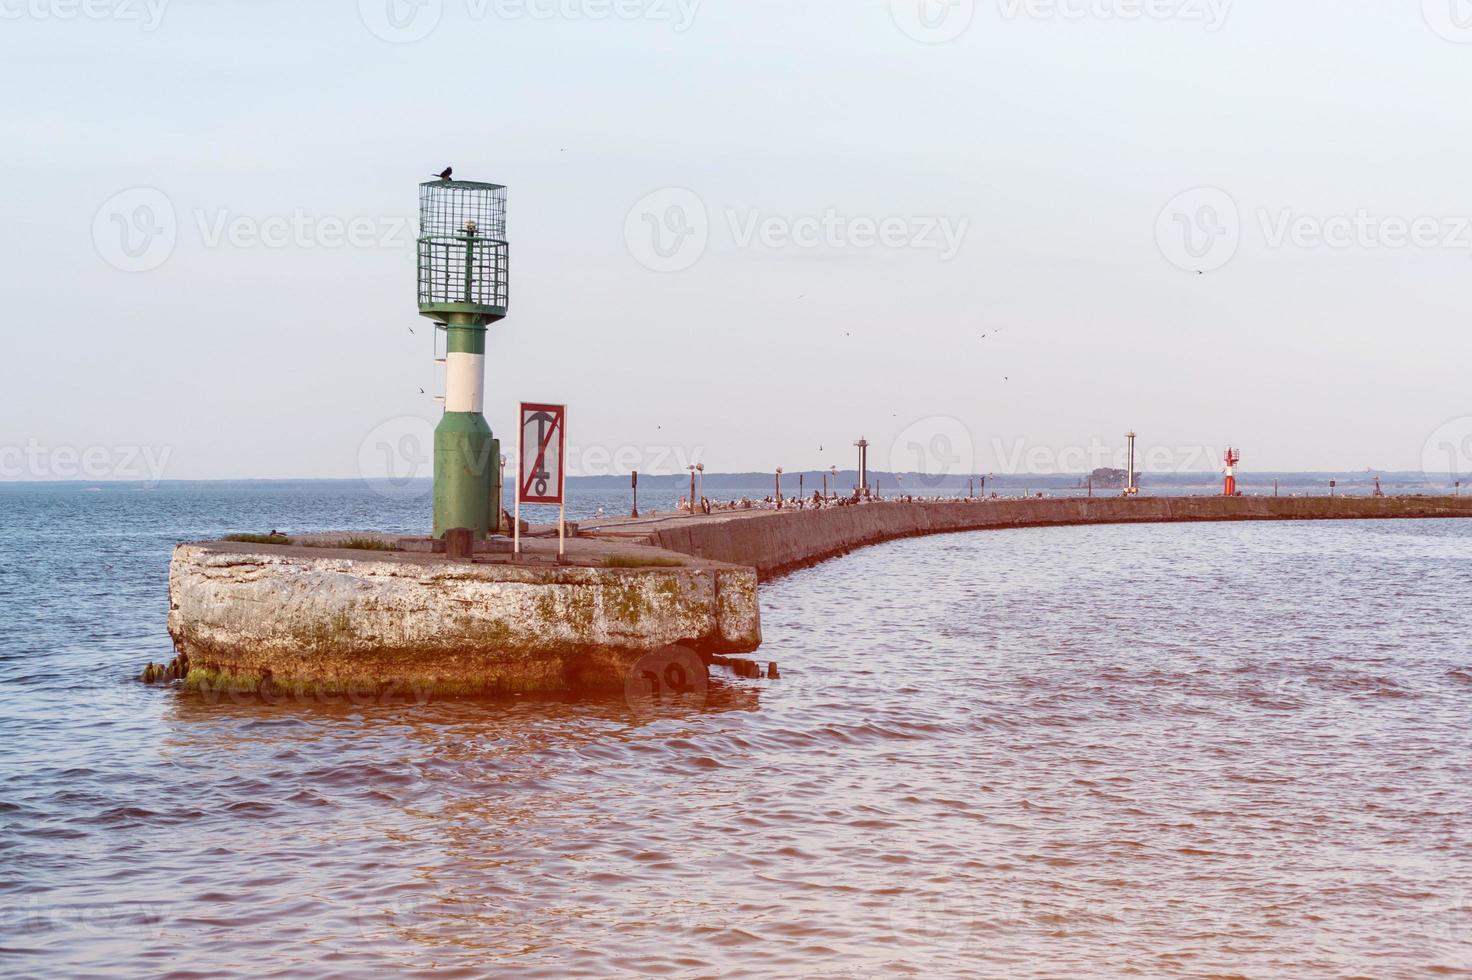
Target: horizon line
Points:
(962, 479)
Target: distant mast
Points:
(1233, 458)
(1129, 473)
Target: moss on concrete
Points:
(638, 561)
(354, 544)
(280, 539)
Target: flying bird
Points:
(445, 174)
(421, 391)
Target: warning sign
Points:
(543, 453)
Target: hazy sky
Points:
(743, 230)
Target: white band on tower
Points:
(465, 382)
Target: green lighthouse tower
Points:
(463, 282)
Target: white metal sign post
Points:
(541, 476)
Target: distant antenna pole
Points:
(1129, 479)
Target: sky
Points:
(989, 236)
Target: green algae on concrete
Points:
(637, 561)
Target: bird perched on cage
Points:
(445, 174)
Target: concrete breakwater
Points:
(776, 541)
(252, 615)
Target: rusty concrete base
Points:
(335, 620)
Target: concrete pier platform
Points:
(334, 618)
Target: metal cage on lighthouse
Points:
(463, 255)
(464, 285)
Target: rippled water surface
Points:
(1186, 749)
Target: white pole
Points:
(516, 518)
(562, 492)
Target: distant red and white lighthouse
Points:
(1233, 458)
